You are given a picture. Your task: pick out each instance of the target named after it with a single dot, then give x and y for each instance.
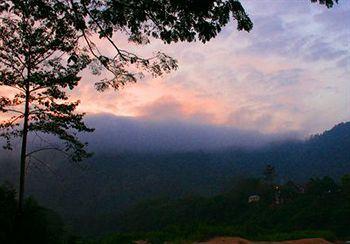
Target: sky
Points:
(289, 74)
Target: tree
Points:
(40, 62)
(170, 21)
(345, 182)
(41, 56)
(269, 174)
(7, 212)
(328, 3)
(38, 225)
(322, 186)
(41, 75)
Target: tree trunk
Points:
(24, 148)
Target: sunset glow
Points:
(290, 73)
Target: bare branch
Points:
(102, 30)
(43, 149)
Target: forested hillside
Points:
(254, 208)
(111, 182)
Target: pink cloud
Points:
(273, 79)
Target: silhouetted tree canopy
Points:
(46, 43)
(170, 21)
(38, 225)
(139, 21)
(328, 3)
(42, 53)
(269, 173)
(39, 63)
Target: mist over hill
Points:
(127, 134)
(136, 160)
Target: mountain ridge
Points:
(115, 181)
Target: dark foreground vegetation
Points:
(91, 200)
(255, 209)
(193, 196)
(319, 208)
(35, 225)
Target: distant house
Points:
(253, 198)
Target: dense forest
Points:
(218, 149)
(92, 200)
(255, 208)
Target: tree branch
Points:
(43, 149)
(101, 29)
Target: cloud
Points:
(297, 30)
(273, 79)
(326, 51)
(286, 77)
(168, 108)
(334, 21)
(124, 134)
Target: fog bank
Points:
(128, 134)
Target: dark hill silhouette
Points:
(114, 181)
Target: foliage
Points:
(36, 225)
(313, 213)
(91, 200)
(40, 62)
(269, 173)
(7, 211)
(328, 3)
(41, 55)
(169, 21)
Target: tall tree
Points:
(39, 63)
(41, 55)
(140, 21)
(269, 174)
